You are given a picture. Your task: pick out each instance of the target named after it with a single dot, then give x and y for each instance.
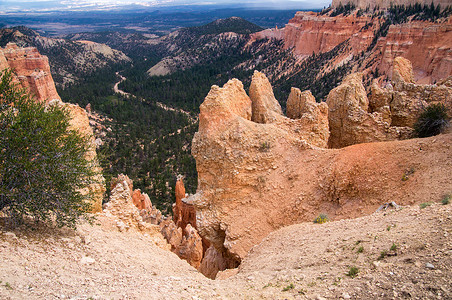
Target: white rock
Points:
(11, 235)
(86, 260)
(346, 296)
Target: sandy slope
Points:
(307, 260)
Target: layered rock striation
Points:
(366, 41)
(427, 45)
(32, 71)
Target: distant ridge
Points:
(232, 24)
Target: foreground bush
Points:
(44, 173)
(432, 121)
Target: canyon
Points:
(426, 44)
(70, 61)
(264, 175)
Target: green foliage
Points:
(343, 9)
(288, 288)
(353, 272)
(305, 76)
(360, 249)
(265, 146)
(393, 247)
(322, 218)
(446, 199)
(383, 254)
(432, 121)
(424, 205)
(144, 142)
(43, 163)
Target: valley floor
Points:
(400, 254)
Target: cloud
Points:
(48, 5)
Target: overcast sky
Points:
(46, 5)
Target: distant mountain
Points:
(232, 24)
(69, 60)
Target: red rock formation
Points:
(183, 241)
(183, 212)
(214, 262)
(427, 45)
(312, 117)
(191, 248)
(310, 32)
(141, 201)
(32, 70)
(265, 107)
(407, 99)
(350, 122)
(246, 191)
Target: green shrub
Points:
(288, 288)
(446, 199)
(424, 205)
(393, 247)
(360, 249)
(265, 146)
(432, 121)
(43, 165)
(353, 272)
(322, 218)
(382, 255)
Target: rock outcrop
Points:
(427, 45)
(349, 119)
(309, 115)
(125, 215)
(141, 201)
(183, 212)
(265, 107)
(256, 177)
(133, 210)
(389, 114)
(312, 33)
(407, 99)
(32, 71)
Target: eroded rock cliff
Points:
(427, 45)
(256, 177)
(365, 42)
(32, 70)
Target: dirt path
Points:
(159, 104)
(304, 261)
(116, 87)
(191, 119)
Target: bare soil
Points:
(403, 253)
